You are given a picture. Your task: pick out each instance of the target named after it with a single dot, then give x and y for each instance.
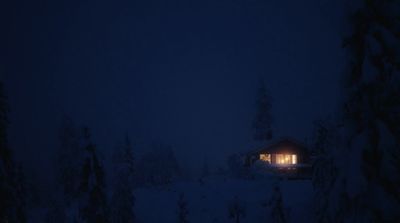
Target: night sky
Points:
(183, 73)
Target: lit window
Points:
(286, 159)
(265, 157)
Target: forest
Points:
(355, 156)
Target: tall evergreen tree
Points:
(262, 123)
(182, 209)
(11, 190)
(93, 200)
(277, 211)
(236, 210)
(324, 169)
(158, 166)
(123, 199)
(70, 158)
(55, 213)
(367, 181)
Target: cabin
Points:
(285, 157)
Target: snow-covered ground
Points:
(208, 201)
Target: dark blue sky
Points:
(181, 72)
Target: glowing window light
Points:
(286, 159)
(265, 157)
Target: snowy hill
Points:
(209, 201)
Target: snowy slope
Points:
(208, 201)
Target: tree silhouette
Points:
(12, 205)
(325, 170)
(262, 123)
(371, 118)
(182, 209)
(93, 200)
(236, 210)
(277, 211)
(123, 199)
(70, 158)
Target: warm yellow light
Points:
(265, 157)
(286, 159)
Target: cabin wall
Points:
(301, 158)
(283, 148)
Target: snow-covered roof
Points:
(287, 144)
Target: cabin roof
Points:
(282, 145)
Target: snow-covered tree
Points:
(366, 187)
(56, 213)
(324, 169)
(236, 210)
(277, 210)
(158, 166)
(12, 206)
(70, 158)
(182, 209)
(236, 166)
(93, 205)
(123, 199)
(33, 196)
(262, 123)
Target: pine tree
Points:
(182, 209)
(236, 210)
(158, 166)
(262, 123)
(123, 199)
(172, 164)
(324, 169)
(93, 200)
(33, 195)
(56, 213)
(12, 208)
(277, 211)
(371, 120)
(70, 158)
(396, 165)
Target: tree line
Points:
(356, 174)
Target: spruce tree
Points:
(182, 209)
(123, 199)
(277, 210)
(367, 182)
(70, 158)
(93, 200)
(12, 208)
(262, 123)
(236, 210)
(324, 169)
(158, 166)
(56, 213)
